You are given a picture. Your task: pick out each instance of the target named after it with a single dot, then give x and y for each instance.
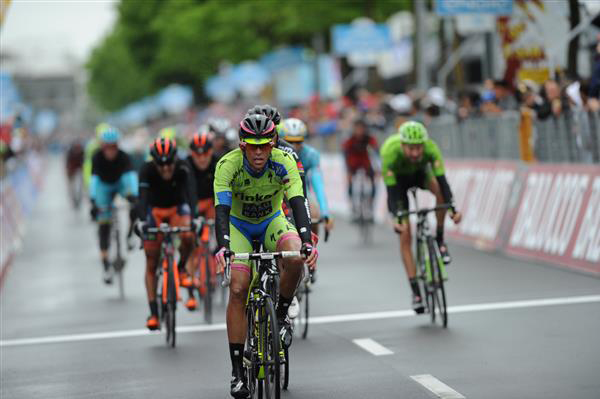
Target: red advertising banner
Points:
(558, 219)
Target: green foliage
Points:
(157, 42)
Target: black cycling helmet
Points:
(257, 129)
(219, 126)
(201, 142)
(267, 110)
(163, 151)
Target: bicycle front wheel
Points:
(171, 303)
(271, 362)
(208, 289)
(438, 293)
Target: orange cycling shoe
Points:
(184, 279)
(152, 323)
(191, 304)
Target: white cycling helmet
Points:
(293, 130)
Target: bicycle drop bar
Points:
(255, 256)
(167, 229)
(423, 211)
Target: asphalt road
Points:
(517, 329)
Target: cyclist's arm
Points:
(298, 203)
(223, 201)
(130, 178)
(144, 189)
(94, 178)
(437, 166)
(318, 186)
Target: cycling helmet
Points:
(293, 130)
(168, 133)
(412, 132)
(163, 151)
(201, 142)
(110, 135)
(101, 128)
(267, 110)
(219, 126)
(257, 129)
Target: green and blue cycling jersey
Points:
(311, 159)
(248, 203)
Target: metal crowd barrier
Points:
(573, 137)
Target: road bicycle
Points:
(205, 273)
(167, 277)
(265, 360)
(363, 205)
(431, 270)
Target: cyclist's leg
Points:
(104, 198)
(434, 187)
(152, 244)
(281, 235)
(315, 213)
(236, 308)
(181, 216)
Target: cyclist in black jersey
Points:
(166, 195)
(112, 174)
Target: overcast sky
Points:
(47, 35)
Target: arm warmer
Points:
(318, 186)
(301, 214)
(143, 202)
(445, 187)
(222, 225)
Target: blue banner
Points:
(453, 7)
(361, 37)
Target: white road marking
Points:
(313, 320)
(372, 346)
(436, 386)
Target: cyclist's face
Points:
(258, 155)
(110, 151)
(414, 152)
(202, 161)
(297, 146)
(167, 171)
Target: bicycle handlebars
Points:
(423, 211)
(253, 256)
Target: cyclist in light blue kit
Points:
(294, 131)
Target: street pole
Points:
(420, 63)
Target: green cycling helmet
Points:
(413, 133)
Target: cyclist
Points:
(73, 163)
(202, 164)
(111, 174)
(356, 155)
(294, 132)
(411, 159)
(166, 195)
(250, 183)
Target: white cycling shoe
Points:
(294, 309)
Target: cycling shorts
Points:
(271, 233)
(354, 164)
(175, 216)
(106, 192)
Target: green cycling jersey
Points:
(255, 197)
(395, 163)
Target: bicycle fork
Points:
(165, 281)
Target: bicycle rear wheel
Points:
(271, 364)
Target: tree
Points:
(157, 42)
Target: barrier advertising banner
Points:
(558, 219)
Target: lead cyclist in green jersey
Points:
(411, 159)
(250, 183)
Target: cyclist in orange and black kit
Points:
(356, 155)
(202, 163)
(166, 195)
